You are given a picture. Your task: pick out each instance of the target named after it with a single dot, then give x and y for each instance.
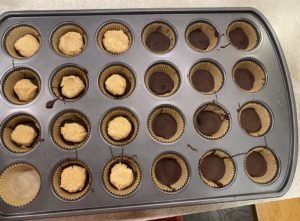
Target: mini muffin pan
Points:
(274, 93)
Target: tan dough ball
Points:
(27, 45)
(71, 43)
(73, 178)
(25, 90)
(115, 84)
(73, 132)
(23, 135)
(121, 176)
(72, 86)
(115, 41)
(119, 128)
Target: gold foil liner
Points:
(119, 112)
(9, 127)
(257, 72)
(56, 178)
(67, 71)
(165, 29)
(175, 114)
(63, 29)
(20, 184)
(222, 113)
(206, 28)
(124, 72)
(16, 33)
(214, 70)
(229, 169)
(168, 70)
(248, 29)
(272, 165)
(114, 26)
(264, 116)
(13, 77)
(181, 182)
(135, 169)
(70, 116)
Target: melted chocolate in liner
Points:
(127, 88)
(203, 81)
(239, 38)
(32, 125)
(256, 164)
(208, 122)
(199, 39)
(212, 168)
(250, 120)
(164, 125)
(160, 83)
(244, 78)
(168, 171)
(78, 121)
(129, 135)
(157, 41)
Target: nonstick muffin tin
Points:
(190, 146)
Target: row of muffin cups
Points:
(158, 36)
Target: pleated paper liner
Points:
(272, 165)
(214, 70)
(20, 184)
(16, 33)
(9, 126)
(56, 180)
(215, 108)
(133, 165)
(13, 77)
(229, 169)
(163, 28)
(172, 112)
(122, 71)
(64, 72)
(208, 29)
(63, 29)
(113, 26)
(248, 29)
(166, 69)
(257, 72)
(69, 117)
(119, 112)
(180, 183)
(264, 116)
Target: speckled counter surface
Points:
(284, 17)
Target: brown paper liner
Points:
(20, 184)
(67, 71)
(56, 177)
(168, 70)
(60, 120)
(114, 26)
(63, 29)
(257, 72)
(175, 114)
(16, 33)
(229, 169)
(248, 29)
(124, 72)
(9, 127)
(264, 116)
(119, 112)
(132, 164)
(165, 29)
(222, 113)
(272, 165)
(182, 180)
(206, 28)
(13, 77)
(214, 70)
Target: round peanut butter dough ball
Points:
(115, 84)
(71, 86)
(73, 178)
(25, 90)
(27, 45)
(73, 132)
(23, 135)
(121, 176)
(71, 43)
(119, 128)
(115, 41)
